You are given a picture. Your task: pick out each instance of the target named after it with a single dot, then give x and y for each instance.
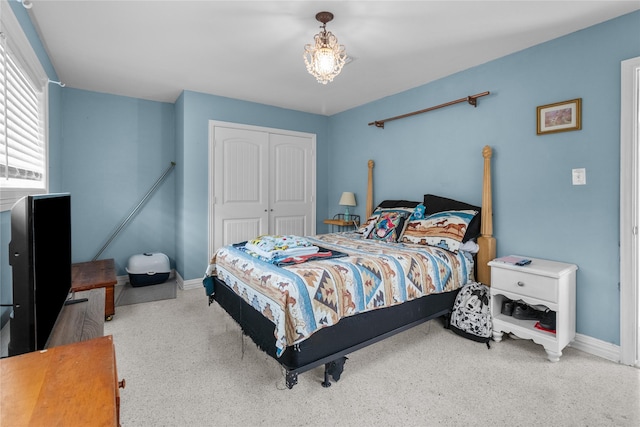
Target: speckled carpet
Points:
(187, 364)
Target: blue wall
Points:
(115, 148)
(537, 211)
(107, 151)
(194, 111)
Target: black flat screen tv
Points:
(40, 259)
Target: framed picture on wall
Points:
(560, 117)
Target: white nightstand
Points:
(542, 283)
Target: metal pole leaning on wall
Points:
(135, 210)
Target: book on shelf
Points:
(514, 260)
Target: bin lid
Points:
(148, 263)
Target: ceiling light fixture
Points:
(325, 58)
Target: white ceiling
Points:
(252, 50)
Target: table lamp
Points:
(347, 199)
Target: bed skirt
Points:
(331, 343)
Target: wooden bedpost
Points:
(369, 205)
(486, 241)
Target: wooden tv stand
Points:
(81, 321)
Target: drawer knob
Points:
(520, 283)
(122, 383)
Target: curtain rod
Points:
(472, 100)
(57, 83)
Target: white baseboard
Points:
(122, 280)
(597, 347)
(185, 285)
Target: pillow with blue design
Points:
(389, 226)
(445, 230)
(387, 221)
(435, 204)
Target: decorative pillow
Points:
(365, 227)
(418, 212)
(406, 206)
(435, 204)
(404, 210)
(389, 226)
(443, 229)
(399, 206)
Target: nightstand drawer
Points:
(518, 282)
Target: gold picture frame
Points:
(559, 117)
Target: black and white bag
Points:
(471, 315)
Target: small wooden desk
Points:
(96, 274)
(70, 385)
(339, 221)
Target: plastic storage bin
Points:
(148, 269)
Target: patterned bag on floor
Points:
(471, 315)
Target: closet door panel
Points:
(241, 205)
(240, 230)
(291, 176)
(262, 181)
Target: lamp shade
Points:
(347, 199)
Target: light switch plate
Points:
(579, 176)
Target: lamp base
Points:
(347, 215)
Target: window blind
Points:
(22, 147)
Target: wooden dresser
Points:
(71, 385)
(74, 382)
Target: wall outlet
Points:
(579, 176)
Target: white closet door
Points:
(292, 185)
(262, 181)
(241, 202)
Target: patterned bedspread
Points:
(303, 298)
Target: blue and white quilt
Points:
(303, 298)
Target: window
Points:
(23, 112)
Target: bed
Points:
(403, 266)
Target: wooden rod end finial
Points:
(486, 152)
(369, 205)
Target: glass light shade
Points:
(324, 61)
(325, 58)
